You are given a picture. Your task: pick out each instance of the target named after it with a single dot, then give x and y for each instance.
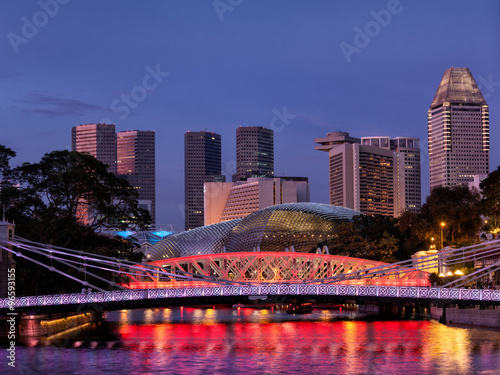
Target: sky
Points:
(303, 68)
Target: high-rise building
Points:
(361, 176)
(458, 131)
(234, 200)
(254, 152)
(340, 167)
(407, 181)
(202, 163)
(136, 164)
(98, 140)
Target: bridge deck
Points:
(424, 294)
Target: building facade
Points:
(234, 200)
(254, 152)
(458, 131)
(202, 163)
(374, 175)
(136, 164)
(98, 140)
(407, 179)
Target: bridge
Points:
(238, 277)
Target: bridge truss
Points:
(251, 268)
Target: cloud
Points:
(55, 106)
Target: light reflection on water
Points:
(268, 341)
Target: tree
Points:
(414, 230)
(346, 241)
(458, 208)
(43, 198)
(5, 155)
(490, 204)
(368, 237)
(383, 249)
(49, 194)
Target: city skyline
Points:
(301, 69)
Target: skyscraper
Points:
(458, 130)
(202, 163)
(98, 140)
(136, 164)
(254, 152)
(374, 175)
(407, 179)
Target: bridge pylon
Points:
(7, 263)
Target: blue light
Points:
(125, 233)
(162, 233)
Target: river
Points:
(258, 341)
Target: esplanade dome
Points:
(295, 227)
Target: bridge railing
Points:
(345, 291)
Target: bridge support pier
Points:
(7, 264)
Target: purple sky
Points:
(239, 64)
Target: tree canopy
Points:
(371, 237)
(43, 200)
(490, 204)
(458, 209)
(49, 194)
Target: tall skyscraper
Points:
(254, 152)
(136, 164)
(407, 181)
(202, 163)
(458, 130)
(98, 140)
(374, 175)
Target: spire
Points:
(458, 86)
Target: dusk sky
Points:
(300, 67)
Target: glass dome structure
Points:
(295, 227)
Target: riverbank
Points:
(476, 317)
(44, 325)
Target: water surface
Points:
(267, 341)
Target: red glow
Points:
(196, 284)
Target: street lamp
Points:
(442, 226)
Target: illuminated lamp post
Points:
(442, 226)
